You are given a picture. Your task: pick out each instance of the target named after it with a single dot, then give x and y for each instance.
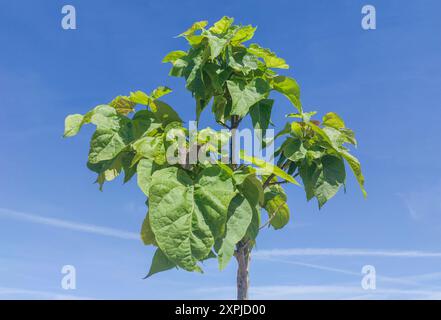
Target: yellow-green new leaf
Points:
(173, 56)
(270, 58)
(72, 125)
(333, 120)
(195, 27)
(123, 105)
(243, 34)
(159, 92)
(268, 168)
(222, 25)
(140, 97)
(323, 136)
(195, 40)
(288, 87)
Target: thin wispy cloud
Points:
(70, 225)
(423, 204)
(408, 280)
(320, 292)
(21, 293)
(344, 252)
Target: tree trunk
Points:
(243, 261)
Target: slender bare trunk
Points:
(243, 261)
(242, 252)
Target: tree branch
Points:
(277, 183)
(224, 125)
(235, 120)
(267, 181)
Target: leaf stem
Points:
(268, 182)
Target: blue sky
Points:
(385, 83)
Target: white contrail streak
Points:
(65, 224)
(341, 252)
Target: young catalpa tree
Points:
(209, 205)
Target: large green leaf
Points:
(187, 214)
(221, 108)
(144, 122)
(276, 206)
(213, 192)
(165, 113)
(126, 162)
(336, 137)
(250, 186)
(323, 179)
(289, 87)
(307, 173)
(192, 72)
(103, 116)
(356, 169)
(244, 95)
(333, 139)
(105, 145)
(261, 115)
(240, 214)
(216, 42)
(151, 148)
(145, 170)
(179, 227)
(331, 178)
(107, 170)
(254, 227)
(216, 77)
(160, 263)
(241, 60)
(147, 236)
(294, 150)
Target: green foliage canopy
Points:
(198, 211)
